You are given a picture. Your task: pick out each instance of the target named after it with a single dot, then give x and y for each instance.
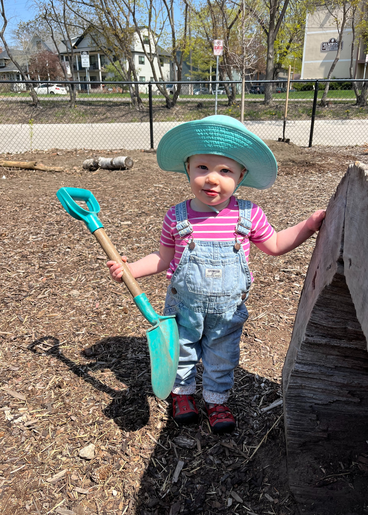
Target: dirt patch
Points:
(75, 366)
(120, 110)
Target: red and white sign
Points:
(218, 46)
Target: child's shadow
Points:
(128, 359)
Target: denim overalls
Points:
(207, 294)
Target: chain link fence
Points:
(106, 115)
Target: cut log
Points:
(30, 165)
(108, 163)
(325, 376)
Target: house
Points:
(90, 62)
(320, 47)
(8, 70)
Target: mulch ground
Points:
(74, 360)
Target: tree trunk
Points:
(325, 376)
(269, 64)
(362, 98)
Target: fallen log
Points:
(325, 376)
(108, 163)
(30, 165)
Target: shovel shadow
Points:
(128, 359)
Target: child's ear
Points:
(187, 167)
(242, 173)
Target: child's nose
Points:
(212, 177)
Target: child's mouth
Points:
(210, 193)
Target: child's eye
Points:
(202, 167)
(225, 171)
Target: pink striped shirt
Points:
(212, 226)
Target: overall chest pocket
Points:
(212, 277)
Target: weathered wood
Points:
(30, 165)
(325, 376)
(108, 163)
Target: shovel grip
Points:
(114, 255)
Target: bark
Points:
(325, 371)
(30, 165)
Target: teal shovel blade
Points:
(164, 354)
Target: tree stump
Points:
(325, 376)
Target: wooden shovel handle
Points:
(114, 255)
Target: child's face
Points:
(213, 179)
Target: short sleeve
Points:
(167, 234)
(261, 230)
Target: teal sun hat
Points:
(220, 135)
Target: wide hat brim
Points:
(219, 135)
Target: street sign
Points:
(85, 59)
(218, 46)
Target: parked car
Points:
(51, 89)
(221, 90)
(170, 88)
(283, 90)
(256, 90)
(201, 91)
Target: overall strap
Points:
(244, 224)
(183, 225)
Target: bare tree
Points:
(360, 93)
(32, 92)
(270, 17)
(219, 21)
(159, 20)
(62, 30)
(108, 25)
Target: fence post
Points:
(315, 98)
(150, 113)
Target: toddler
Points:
(204, 248)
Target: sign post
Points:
(85, 64)
(218, 48)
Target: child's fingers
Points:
(116, 269)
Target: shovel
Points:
(286, 140)
(162, 337)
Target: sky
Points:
(16, 11)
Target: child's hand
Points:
(116, 269)
(314, 222)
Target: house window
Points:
(2, 63)
(152, 79)
(146, 40)
(38, 45)
(162, 61)
(142, 79)
(141, 59)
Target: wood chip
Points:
(64, 511)
(82, 490)
(275, 404)
(184, 442)
(57, 476)
(15, 394)
(235, 496)
(178, 469)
